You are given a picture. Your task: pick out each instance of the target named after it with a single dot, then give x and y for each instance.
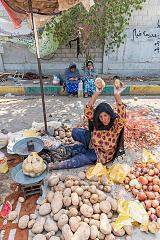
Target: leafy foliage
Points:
(105, 23)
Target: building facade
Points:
(139, 55)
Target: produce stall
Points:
(80, 204)
(65, 203)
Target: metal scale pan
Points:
(27, 145)
(19, 177)
(23, 148)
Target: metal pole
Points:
(39, 63)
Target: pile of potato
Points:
(64, 134)
(75, 209)
(33, 165)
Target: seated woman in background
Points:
(104, 141)
(72, 78)
(88, 79)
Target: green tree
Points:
(105, 23)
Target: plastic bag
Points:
(3, 140)
(56, 80)
(138, 213)
(40, 126)
(6, 209)
(97, 170)
(50, 142)
(147, 156)
(115, 174)
(131, 212)
(30, 133)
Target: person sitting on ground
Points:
(104, 141)
(88, 79)
(72, 78)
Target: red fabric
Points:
(14, 18)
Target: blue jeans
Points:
(81, 154)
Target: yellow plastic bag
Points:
(121, 221)
(138, 213)
(30, 133)
(97, 170)
(3, 163)
(123, 207)
(147, 156)
(117, 173)
(131, 212)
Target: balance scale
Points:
(28, 185)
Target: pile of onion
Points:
(144, 183)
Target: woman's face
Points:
(72, 69)
(105, 118)
(90, 66)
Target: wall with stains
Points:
(140, 54)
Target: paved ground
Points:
(20, 112)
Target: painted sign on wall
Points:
(142, 44)
(144, 34)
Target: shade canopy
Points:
(43, 10)
(44, 7)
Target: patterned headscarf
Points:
(103, 107)
(98, 125)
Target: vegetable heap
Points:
(144, 183)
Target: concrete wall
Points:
(18, 57)
(141, 52)
(140, 55)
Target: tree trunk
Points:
(86, 44)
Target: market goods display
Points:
(144, 183)
(141, 133)
(138, 112)
(64, 134)
(33, 165)
(75, 209)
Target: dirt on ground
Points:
(20, 112)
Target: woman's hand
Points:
(118, 87)
(100, 84)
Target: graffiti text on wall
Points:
(148, 35)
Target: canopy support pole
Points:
(39, 63)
